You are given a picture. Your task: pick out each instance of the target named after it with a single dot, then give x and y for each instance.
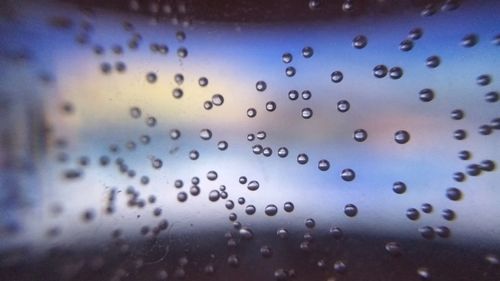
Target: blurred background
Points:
(249, 140)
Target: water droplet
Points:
(380, 71)
(401, 137)
(427, 232)
(306, 113)
(359, 42)
(469, 40)
(271, 210)
(282, 152)
(302, 158)
(253, 185)
(412, 214)
(393, 248)
(483, 80)
(406, 45)
(151, 77)
(287, 57)
(261, 86)
(323, 165)
(343, 106)
(205, 134)
(395, 72)
(290, 71)
(250, 209)
(348, 174)
(426, 95)
(182, 196)
(288, 207)
(307, 52)
(433, 61)
(251, 112)
(270, 106)
(453, 194)
(293, 95)
(337, 76)
(426, 208)
(360, 135)
(217, 99)
(350, 210)
(266, 251)
(399, 187)
(214, 195)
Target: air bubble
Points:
(270, 106)
(459, 176)
(222, 145)
(380, 71)
(271, 210)
(336, 233)
(205, 134)
(427, 232)
(282, 152)
(177, 93)
(151, 77)
(203, 81)
(290, 71)
(212, 175)
(253, 185)
(337, 76)
(401, 137)
(246, 233)
(217, 99)
(302, 158)
(266, 251)
(423, 273)
(473, 170)
(347, 175)
(406, 45)
(157, 163)
(350, 210)
(307, 52)
(194, 190)
(293, 95)
(314, 4)
(459, 134)
(135, 112)
(306, 95)
(233, 260)
(310, 223)
(359, 42)
(448, 214)
(426, 208)
(214, 195)
(175, 134)
(323, 165)
(412, 214)
(251, 112)
(483, 80)
(306, 113)
(443, 231)
(360, 135)
(182, 196)
(287, 57)
(257, 149)
(261, 86)
(182, 52)
(208, 105)
(457, 114)
(453, 194)
(393, 248)
(179, 78)
(282, 233)
(261, 135)
(399, 187)
(491, 97)
(288, 207)
(340, 267)
(250, 209)
(469, 40)
(415, 33)
(487, 165)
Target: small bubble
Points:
(426, 208)
(488, 165)
(473, 170)
(423, 273)
(483, 80)
(233, 260)
(337, 76)
(459, 134)
(443, 231)
(310, 223)
(266, 251)
(307, 52)
(343, 106)
(151, 121)
(178, 183)
(287, 57)
(208, 105)
(359, 42)
(282, 233)
(393, 248)
(222, 145)
(448, 214)
(429, 10)
(257, 149)
(182, 52)
(195, 180)
(399, 187)
(120, 66)
(203, 81)
(348, 6)
(464, 155)
(214, 195)
(229, 204)
(175, 134)
(282, 152)
(144, 180)
(250, 209)
(491, 97)
(182, 196)
(157, 163)
(340, 267)
(350, 210)
(242, 180)
(427, 232)
(293, 95)
(314, 4)
(261, 86)
(347, 175)
(412, 214)
(253, 185)
(306, 95)
(251, 112)
(395, 72)
(145, 139)
(241, 200)
(406, 45)
(290, 71)
(469, 40)
(288, 207)
(205, 134)
(380, 71)
(306, 113)
(453, 194)
(105, 67)
(217, 99)
(401, 137)
(179, 78)
(457, 114)
(426, 95)
(271, 210)
(177, 93)
(302, 158)
(432, 61)
(270, 106)
(261, 135)
(485, 130)
(135, 112)
(151, 77)
(415, 33)
(323, 165)
(360, 135)
(212, 175)
(336, 233)
(495, 123)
